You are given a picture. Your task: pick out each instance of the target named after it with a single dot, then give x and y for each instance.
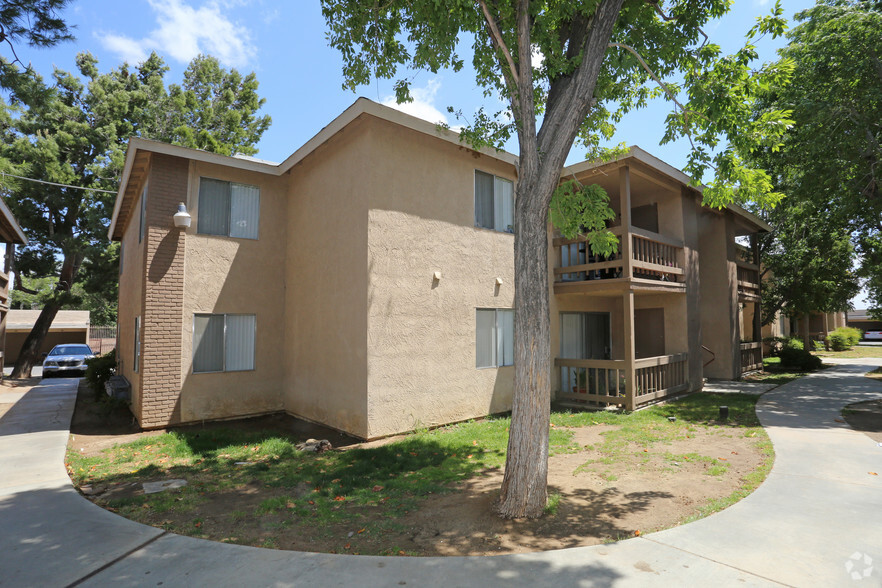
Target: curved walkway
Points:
(819, 511)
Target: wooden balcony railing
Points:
(592, 380)
(604, 381)
(4, 291)
(657, 377)
(751, 356)
(748, 280)
(653, 257)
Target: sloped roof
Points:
(23, 320)
(139, 150)
(10, 232)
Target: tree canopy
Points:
(830, 163)
(75, 137)
(36, 23)
(598, 60)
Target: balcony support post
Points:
(630, 370)
(625, 205)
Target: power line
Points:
(56, 183)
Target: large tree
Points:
(73, 141)
(36, 23)
(598, 58)
(830, 164)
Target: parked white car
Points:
(68, 358)
(873, 336)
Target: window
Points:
(137, 362)
(228, 209)
(494, 202)
(143, 214)
(223, 342)
(494, 337)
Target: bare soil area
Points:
(601, 500)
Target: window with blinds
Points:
(223, 342)
(494, 202)
(494, 337)
(228, 209)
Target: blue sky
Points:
(300, 76)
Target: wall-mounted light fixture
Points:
(436, 276)
(498, 281)
(182, 217)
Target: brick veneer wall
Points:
(163, 294)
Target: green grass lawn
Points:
(337, 486)
(853, 353)
(773, 373)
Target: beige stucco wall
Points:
(326, 272)
(720, 329)
(131, 305)
(236, 276)
(421, 331)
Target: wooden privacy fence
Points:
(102, 338)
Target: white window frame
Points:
(502, 338)
(224, 366)
(137, 352)
(231, 220)
(503, 209)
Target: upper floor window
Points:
(228, 208)
(494, 202)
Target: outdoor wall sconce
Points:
(182, 217)
(498, 281)
(436, 276)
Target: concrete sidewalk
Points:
(815, 521)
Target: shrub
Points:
(799, 359)
(843, 338)
(792, 343)
(99, 369)
(776, 344)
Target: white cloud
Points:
(423, 105)
(185, 31)
(130, 50)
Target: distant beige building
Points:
(366, 282)
(68, 326)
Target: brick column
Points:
(163, 294)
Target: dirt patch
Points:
(601, 500)
(97, 425)
(865, 417)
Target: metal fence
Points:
(102, 338)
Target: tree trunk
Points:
(526, 468)
(30, 350)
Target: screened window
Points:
(137, 358)
(223, 342)
(494, 337)
(229, 209)
(494, 202)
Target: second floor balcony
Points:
(645, 260)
